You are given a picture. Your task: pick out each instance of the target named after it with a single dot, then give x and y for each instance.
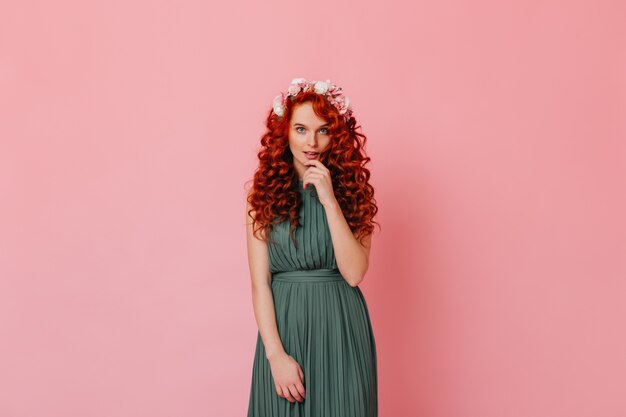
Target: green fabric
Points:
(323, 323)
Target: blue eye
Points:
(300, 127)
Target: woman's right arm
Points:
(286, 371)
(262, 299)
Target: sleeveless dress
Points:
(323, 323)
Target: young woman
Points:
(309, 222)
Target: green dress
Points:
(323, 324)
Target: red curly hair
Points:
(274, 196)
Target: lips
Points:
(311, 155)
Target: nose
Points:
(312, 139)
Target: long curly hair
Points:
(274, 196)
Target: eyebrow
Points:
(296, 124)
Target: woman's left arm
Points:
(352, 257)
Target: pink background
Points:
(129, 129)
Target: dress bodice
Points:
(314, 249)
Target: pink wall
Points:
(128, 129)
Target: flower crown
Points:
(331, 91)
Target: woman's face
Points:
(307, 133)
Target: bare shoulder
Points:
(250, 212)
(258, 258)
(248, 205)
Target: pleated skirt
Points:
(324, 324)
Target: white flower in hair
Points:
(278, 105)
(293, 89)
(321, 87)
(298, 81)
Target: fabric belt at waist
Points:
(309, 275)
